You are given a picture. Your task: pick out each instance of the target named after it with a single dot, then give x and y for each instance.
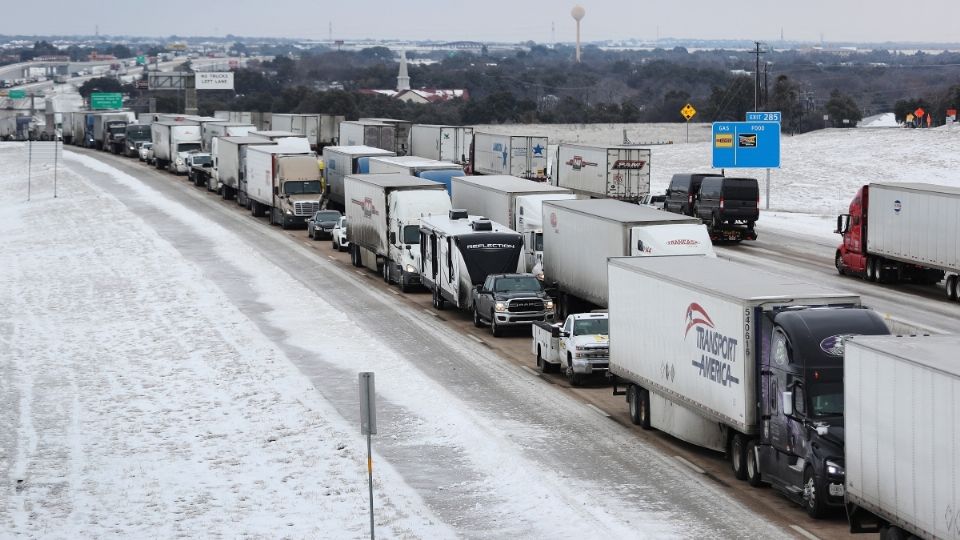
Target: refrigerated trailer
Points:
(383, 213)
(902, 397)
(902, 232)
(401, 133)
(738, 360)
(340, 161)
(319, 129)
(442, 143)
(617, 172)
(516, 202)
(369, 133)
(579, 236)
(524, 156)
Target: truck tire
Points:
(753, 467)
(479, 324)
(639, 402)
(838, 263)
(813, 490)
(894, 533)
(438, 301)
(495, 328)
(951, 287)
(871, 270)
(576, 379)
(738, 456)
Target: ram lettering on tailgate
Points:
(716, 352)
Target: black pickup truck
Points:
(510, 300)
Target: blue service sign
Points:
(746, 145)
(764, 117)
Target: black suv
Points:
(510, 300)
(728, 200)
(682, 192)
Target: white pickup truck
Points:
(580, 345)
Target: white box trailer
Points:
(228, 156)
(211, 130)
(383, 213)
(401, 133)
(618, 172)
(442, 143)
(429, 169)
(524, 156)
(170, 137)
(340, 161)
(517, 202)
(368, 133)
(579, 236)
(320, 129)
(282, 184)
(902, 401)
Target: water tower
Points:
(577, 13)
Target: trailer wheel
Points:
(952, 288)
(738, 456)
(894, 533)
(438, 301)
(871, 269)
(639, 402)
(753, 467)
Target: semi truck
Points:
(401, 130)
(369, 133)
(285, 186)
(319, 129)
(738, 360)
(384, 212)
(428, 169)
(902, 232)
(228, 160)
(211, 130)
(517, 202)
(619, 172)
(901, 397)
(579, 236)
(172, 138)
(442, 143)
(524, 156)
(340, 161)
(135, 133)
(458, 251)
(262, 120)
(107, 128)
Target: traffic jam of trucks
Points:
(798, 386)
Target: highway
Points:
(453, 346)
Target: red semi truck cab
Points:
(851, 256)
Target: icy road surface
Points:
(174, 367)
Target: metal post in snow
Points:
(688, 130)
(55, 167)
(29, 166)
(768, 190)
(368, 426)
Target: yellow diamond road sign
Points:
(688, 111)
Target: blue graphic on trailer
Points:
(746, 145)
(499, 148)
(538, 150)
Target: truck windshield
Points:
(826, 399)
(118, 129)
(202, 160)
(517, 283)
(299, 187)
(591, 327)
(411, 234)
(187, 147)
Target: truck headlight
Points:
(834, 469)
(540, 276)
(179, 161)
(289, 212)
(411, 269)
(548, 305)
(500, 307)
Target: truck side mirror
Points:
(843, 224)
(276, 190)
(393, 238)
(787, 405)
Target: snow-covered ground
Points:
(136, 402)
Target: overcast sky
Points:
(495, 20)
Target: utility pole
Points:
(756, 85)
(766, 86)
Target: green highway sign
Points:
(141, 60)
(106, 100)
(17, 94)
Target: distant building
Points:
(417, 95)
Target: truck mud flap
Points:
(861, 520)
(616, 383)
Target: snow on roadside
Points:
(138, 402)
(531, 499)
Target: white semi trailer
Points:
(524, 156)
(619, 172)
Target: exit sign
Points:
(17, 94)
(106, 100)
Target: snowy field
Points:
(135, 402)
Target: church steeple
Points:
(403, 80)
